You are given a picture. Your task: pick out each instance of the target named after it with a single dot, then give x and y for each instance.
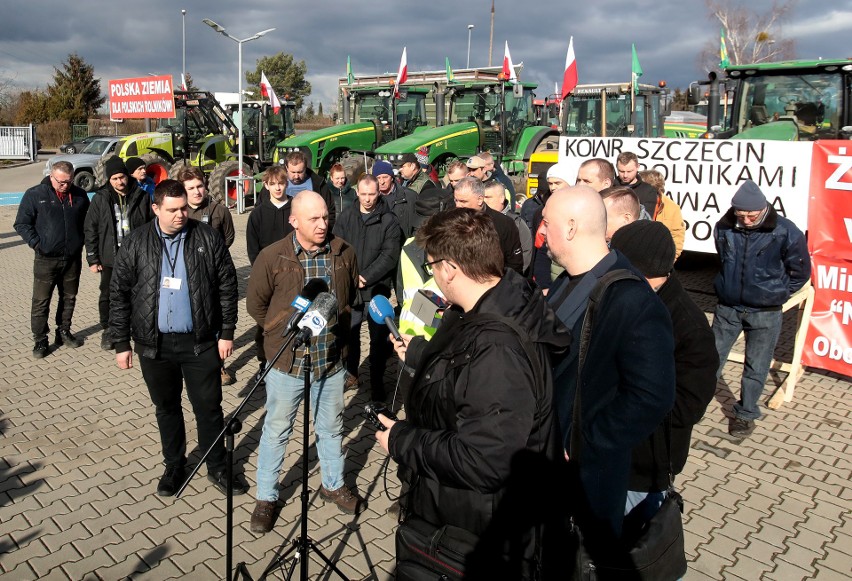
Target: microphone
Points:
(316, 319)
(381, 311)
(301, 303)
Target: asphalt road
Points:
(18, 179)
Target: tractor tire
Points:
(156, 166)
(216, 183)
(85, 180)
(354, 166)
(100, 172)
(176, 168)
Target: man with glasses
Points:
(50, 220)
(764, 260)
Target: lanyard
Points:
(172, 263)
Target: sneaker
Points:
(346, 500)
(220, 481)
(41, 349)
(262, 517)
(227, 377)
(171, 480)
(350, 382)
(740, 428)
(64, 337)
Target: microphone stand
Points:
(304, 544)
(233, 425)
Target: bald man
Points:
(278, 275)
(628, 374)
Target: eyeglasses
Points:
(751, 216)
(427, 266)
(62, 182)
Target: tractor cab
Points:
(396, 117)
(609, 110)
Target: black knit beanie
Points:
(113, 166)
(133, 163)
(648, 245)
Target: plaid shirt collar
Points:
(325, 248)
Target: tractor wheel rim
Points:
(157, 172)
(231, 190)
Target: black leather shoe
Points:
(740, 428)
(41, 349)
(171, 480)
(220, 481)
(64, 337)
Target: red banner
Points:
(829, 340)
(142, 98)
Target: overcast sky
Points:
(120, 42)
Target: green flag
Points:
(450, 76)
(350, 78)
(724, 62)
(637, 71)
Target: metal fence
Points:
(18, 143)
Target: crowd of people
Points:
(556, 378)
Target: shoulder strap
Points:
(595, 297)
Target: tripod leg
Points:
(328, 561)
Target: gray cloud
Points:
(120, 41)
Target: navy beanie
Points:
(382, 168)
(648, 245)
(748, 198)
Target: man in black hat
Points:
(764, 260)
(413, 176)
(138, 169)
(650, 248)
(117, 208)
(50, 220)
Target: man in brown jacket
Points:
(278, 275)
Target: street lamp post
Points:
(221, 30)
(183, 69)
(469, 30)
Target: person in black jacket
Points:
(481, 394)
(50, 220)
(301, 177)
(340, 189)
(470, 193)
(400, 199)
(628, 378)
(174, 291)
(627, 165)
(268, 223)
(117, 208)
(373, 231)
(650, 248)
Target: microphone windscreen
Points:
(380, 308)
(313, 288)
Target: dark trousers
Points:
(175, 363)
(103, 298)
(258, 344)
(380, 350)
(50, 273)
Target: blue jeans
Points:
(283, 398)
(762, 329)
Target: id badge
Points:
(205, 219)
(172, 283)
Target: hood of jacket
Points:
(515, 298)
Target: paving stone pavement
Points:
(80, 460)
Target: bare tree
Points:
(751, 37)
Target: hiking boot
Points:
(346, 500)
(170, 481)
(263, 517)
(220, 481)
(227, 377)
(64, 337)
(41, 349)
(741, 428)
(260, 371)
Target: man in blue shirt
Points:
(174, 291)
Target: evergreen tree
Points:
(75, 94)
(286, 76)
